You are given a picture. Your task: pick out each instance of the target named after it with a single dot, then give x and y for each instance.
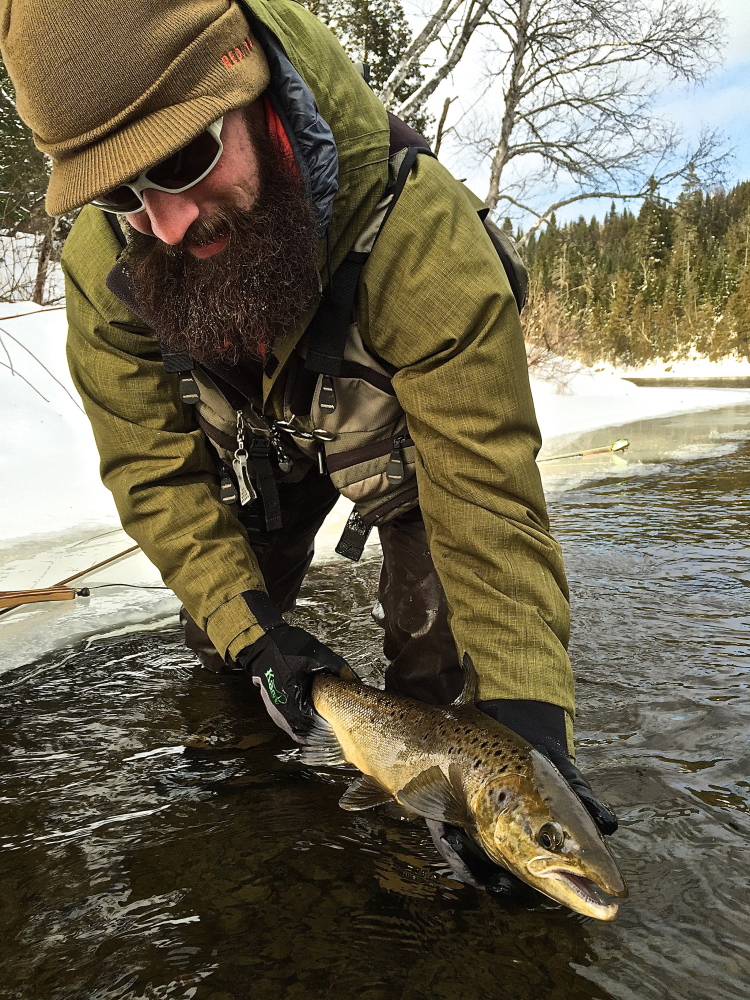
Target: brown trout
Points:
(456, 765)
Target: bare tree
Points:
(448, 30)
(578, 80)
(574, 83)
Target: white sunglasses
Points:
(182, 170)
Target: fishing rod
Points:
(622, 445)
(10, 599)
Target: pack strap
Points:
(182, 365)
(260, 453)
(326, 338)
(259, 450)
(328, 330)
(402, 177)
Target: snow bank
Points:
(49, 478)
(579, 399)
(693, 366)
(57, 518)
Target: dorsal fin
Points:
(468, 695)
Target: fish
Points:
(456, 765)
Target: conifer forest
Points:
(658, 282)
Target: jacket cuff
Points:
(233, 626)
(542, 724)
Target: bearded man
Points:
(274, 298)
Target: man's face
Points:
(234, 180)
(223, 269)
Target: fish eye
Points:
(551, 836)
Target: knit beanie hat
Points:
(110, 89)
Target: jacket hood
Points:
(337, 127)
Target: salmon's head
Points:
(536, 826)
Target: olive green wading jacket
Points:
(435, 303)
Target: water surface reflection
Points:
(133, 867)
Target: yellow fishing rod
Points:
(621, 445)
(10, 599)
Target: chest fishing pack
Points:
(338, 413)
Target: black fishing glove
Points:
(472, 865)
(542, 725)
(282, 663)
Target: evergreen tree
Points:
(375, 32)
(734, 326)
(667, 280)
(23, 169)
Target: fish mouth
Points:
(587, 897)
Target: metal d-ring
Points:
(316, 435)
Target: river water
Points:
(135, 868)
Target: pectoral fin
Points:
(434, 796)
(364, 793)
(321, 745)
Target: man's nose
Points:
(169, 215)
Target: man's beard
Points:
(237, 303)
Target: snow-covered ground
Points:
(57, 518)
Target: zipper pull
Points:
(283, 460)
(321, 452)
(239, 464)
(227, 490)
(327, 395)
(394, 471)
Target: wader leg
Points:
(418, 642)
(284, 555)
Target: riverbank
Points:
(58, 519)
